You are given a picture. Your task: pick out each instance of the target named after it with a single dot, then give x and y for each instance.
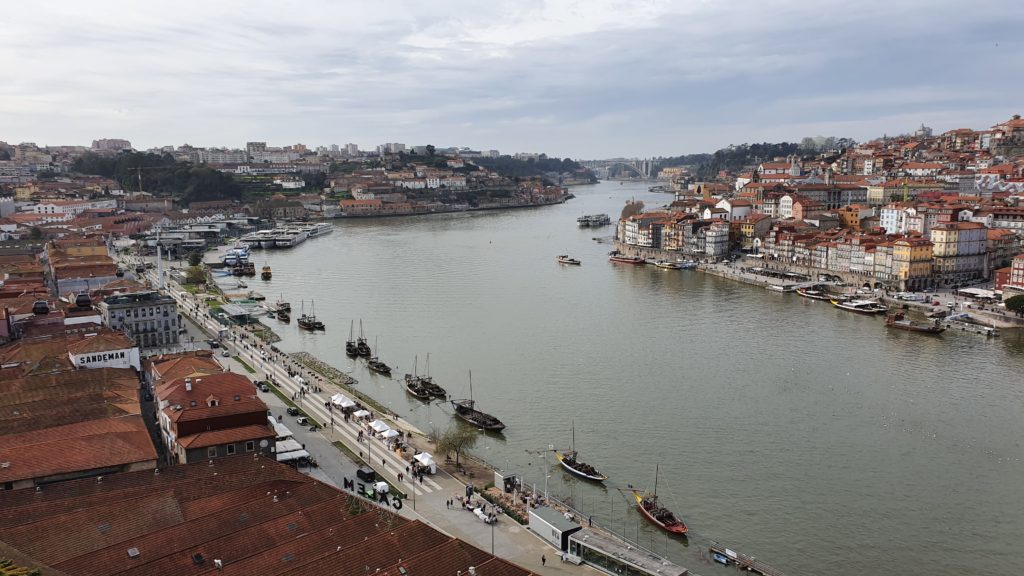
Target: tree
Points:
(195, 275)
(430, 149)
(457, 439)
(1016, 304)
(36, 233)
(195, 258)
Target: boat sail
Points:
(466, 409)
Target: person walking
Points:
(543, 560)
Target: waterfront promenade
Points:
(426, 501)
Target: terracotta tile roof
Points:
(89, 445)
(227, 436)
(260, 517)
(99, 342)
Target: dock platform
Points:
(744, 562)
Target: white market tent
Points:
(282, 431)
(379, 426)
(390, 433)
(294, 455)
(289, 445)
(427, 461)
(361, 413)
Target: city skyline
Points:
(574, 80)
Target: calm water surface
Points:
(809, 437)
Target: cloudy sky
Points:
(583, 79)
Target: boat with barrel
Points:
(570, 461)
(309, 321)
(651, 508)
(375, 364)
(466, 409)
(813, 293)
(266, 273)
(860, 306)
(433, 388)
(414, 384)
(616, 256)
(565, 259)
(362, 348)
(350, 345)
(899, 321)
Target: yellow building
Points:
(912, 263)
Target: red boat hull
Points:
(674, 529)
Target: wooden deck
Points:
(744, 562)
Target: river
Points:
(811, 438)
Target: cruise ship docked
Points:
(288, 235)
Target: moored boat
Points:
(593, 220)
(282, 306)
(414, 384)
(668, 265)
(616, 256)
(466, 409)
(309, 321)
(813, 294)
(350, 345)
(569, 460)
(427, 381)
(860, 306)
(362, 348)
(899, 321)
(284, 316)
(565, 259)
(266, 273)
(375, 364)
(656, 513)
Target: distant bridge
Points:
(640, 168)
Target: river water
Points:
(811, 438)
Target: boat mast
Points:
(470, 388)
(351, 327)
(428, 364)
(415, 364)
(574, 437)
(656, 466)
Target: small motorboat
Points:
(565, 259)
(668, 265)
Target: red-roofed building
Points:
(211, 416)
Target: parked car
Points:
(264, 388)
(225, 353)
(293, 411)
(302, 421)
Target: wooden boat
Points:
(350, 345)
(668, 265)
(309, 321)
(569, 461)
(414, 384)
(813, 294)
(266, 273)
(899, 321)
(282, 306)
(376, 365)
(860, 306)
(656, 513)
(284, 316)
(466, 409)
(565, 259)
(427, 381)
(362, 348)
(617, 256)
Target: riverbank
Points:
(460, 209)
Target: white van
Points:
(300, 380)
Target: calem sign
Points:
(382, 498)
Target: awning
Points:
(289, 445)
(282, 431)
(294, 455)
(379, 426)
(424, 458)
(361, 413)
(390, 433)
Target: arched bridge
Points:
(636, 167)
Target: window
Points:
(231, 449)
(211, 452)
(250, 445)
